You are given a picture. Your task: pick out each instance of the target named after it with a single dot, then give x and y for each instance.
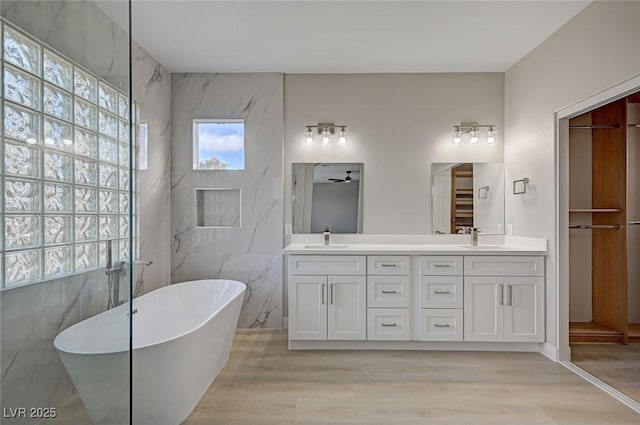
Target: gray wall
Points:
(397, 125)
(587, 55)
(250, 253)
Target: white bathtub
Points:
(182, 337)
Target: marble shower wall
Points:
(32, 374)
(250, 253)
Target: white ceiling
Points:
(345, 36)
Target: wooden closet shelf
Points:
(464, 191)
(464, 201)
(595, 210)
(463, 173)
(464, 214)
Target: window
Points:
(218, 144)
(65, 173)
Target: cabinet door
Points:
(347, 307)
(524, 309)
(483, 317)
(307, 307)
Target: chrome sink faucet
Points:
(327, 235)
(474, 236)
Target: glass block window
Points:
(218, 144)
(66, 167)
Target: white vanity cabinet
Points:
(327, 297)
(504, 298)
(388, 298)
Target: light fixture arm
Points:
(327, 126)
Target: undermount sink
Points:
(322, 246)
(482, 246)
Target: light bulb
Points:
(491, 137)
(309, 137)
(457, 137)
(474, 140)
(342, 137)
(325, 138)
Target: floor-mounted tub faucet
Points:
(114, 271)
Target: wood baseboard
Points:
(634, 333)
(593, 332)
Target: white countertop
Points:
(452, 245)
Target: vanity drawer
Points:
(441, 265)
(387, 265)
(441, 324)
(441, 292)
(503, 266)
(345, 265)
(388, 291)
(388, 324)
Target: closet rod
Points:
(594, 226)
(595, 126)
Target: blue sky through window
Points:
(221, 145)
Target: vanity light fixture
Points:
(471, 132)
(309, 137)
(326, 130)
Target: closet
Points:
(461, 196)
(604, 230)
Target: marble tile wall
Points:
(151, 90)
(32, 375)
(250, 253)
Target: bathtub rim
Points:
(243, 289)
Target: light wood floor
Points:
(616, 364)
(265, 384)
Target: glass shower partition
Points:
(66, 212)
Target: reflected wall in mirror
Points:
(466, 194)
(327, 195)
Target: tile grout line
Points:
(621, 397)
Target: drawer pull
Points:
(389, 292)
(389, 325)
(388, 265)
(437, 325)
(440, 266)
(442, 292)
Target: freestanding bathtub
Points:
(182, 337)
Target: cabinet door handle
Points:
(388, 265)
(323, 290)
(331, 291)
(509, 294)
(439, 266)
(501, 290)
(389, 292)
(441, 292)
(438, 325)
(389, 325)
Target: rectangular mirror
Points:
(327, 195)
(466, 194)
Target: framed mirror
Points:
(327, 195)
(467, 194)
